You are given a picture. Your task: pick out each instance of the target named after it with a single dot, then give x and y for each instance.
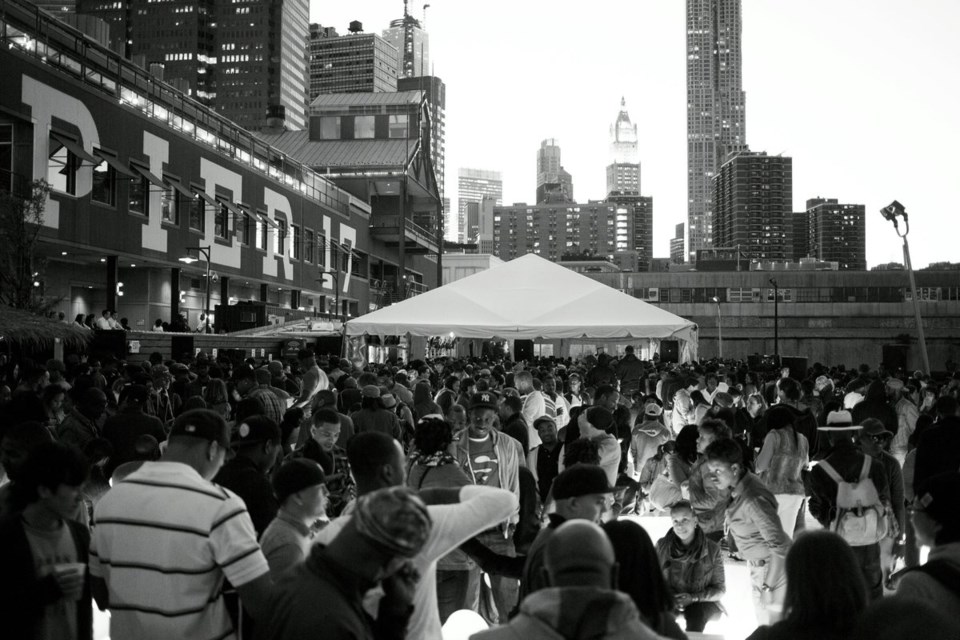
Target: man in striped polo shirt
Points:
(166, 537)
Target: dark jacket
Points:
(242, 476)
(847, 461)
(533, 578)
(123, 429)
(23, 597)
(804, 423)
(876, 405)
(938, 452)
(697, 569)
(321, 580)
(630, 371)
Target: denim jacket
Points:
(752, 519)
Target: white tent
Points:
(529, 298)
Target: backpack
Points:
(859, 517)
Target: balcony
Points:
(417, 239)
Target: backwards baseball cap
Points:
(395, 519)
(256, 429)
(484, 400)
(580, 480)
(203, 424)
(296, 475)
(653, 410)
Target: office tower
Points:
(639, 226)
(359, 62)
(449, 224)
(799, 245)
(412, 41)
(552, 230)
(623, 172)
(837, 233)
(242, 57)
(753, 196)
(716, 118)
(485, 224)
(472, 186)
(677, 254)
(554, 184)
(436, 92)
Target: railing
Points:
(34, 33)
(423, 235)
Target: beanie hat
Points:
(395, 519)
(296, 475)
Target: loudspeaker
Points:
(670, 351)
(522, 350)
(895, 357)
(180, 345)
(797, 366)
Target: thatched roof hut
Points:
(25, 332)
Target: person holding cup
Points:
(44, 588)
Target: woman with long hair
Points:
(216, 397)
(53, 398)
(640, 577)
(784, 455)
(825, 591)
(423, 404)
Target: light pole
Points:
(776, 319)
(716, 301)
(891, 212)
(189, 259)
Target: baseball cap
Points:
(255, 429)
(543, 419)
(296, 475)
(653, 410)
(484, 400)
(873, 427)
(203, 424)
(580, 480)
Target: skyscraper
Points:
(753, 195)
(554, 184)
(677, 255)
(359, 62)
(245, 58)
(623, 172)
(639, 227)
(413, 43)
(472, 186)
(716, 117)
(837, 233)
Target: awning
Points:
(267, 219)
(245, 210)
(203, 196)
(75, 148)
(157, 182)
(113, 162)
(178, 187)
(232, 208)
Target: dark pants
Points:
(453, 590)
(868, 557)
(699, 614)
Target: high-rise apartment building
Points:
(554, 184)
(836, 232)
(553, 230)
(753, 196)
(716, 117)
(640, 211)
(677, 254)
(413, 43)
(245, 58)
(358, 62)
(472, 186)
(436, 92)
(623, 172)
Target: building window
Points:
(294, 242)
(139, 195)
(61, 165)
(397, 126)
(197, 213)
(248, 231)
(309, 250)
(322, 253)
(104, 188)
(261, 239)
(364, 127)
(330, 127)
(280, 237)
(170, 206)
(221, 221)
(6, 158)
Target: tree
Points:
(21, 219)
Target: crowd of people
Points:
(206, 498)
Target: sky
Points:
(862, 94)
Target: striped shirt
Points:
(163, 540)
